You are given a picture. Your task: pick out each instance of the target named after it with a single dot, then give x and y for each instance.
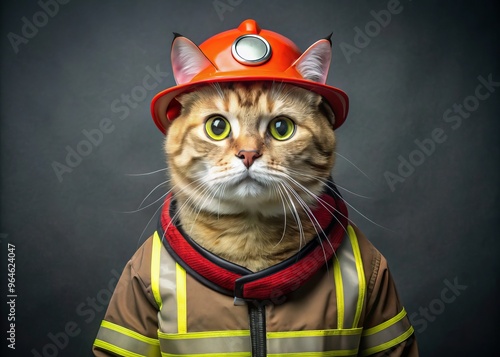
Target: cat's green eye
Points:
(217, 127)
(282, 128)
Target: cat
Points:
(254, 253)
(245, 196)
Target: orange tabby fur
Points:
(247, 215)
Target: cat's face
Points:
(250, 147)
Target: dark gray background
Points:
(72, 237)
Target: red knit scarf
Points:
(270, 283)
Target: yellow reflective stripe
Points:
(117, 350)
(125, 342)
(386, 335)
(181, 299)
(339, 290)
(155, 269)
(385, 324)
(129, 333)
(361, 275)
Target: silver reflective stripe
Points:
(386, 335)
(167, 316)
(349, 280)
(352, 281)
(333, 342)
(191, 343)
(126, 344)
(345, 341)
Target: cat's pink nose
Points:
(248, 156)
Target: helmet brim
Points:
(336, 98)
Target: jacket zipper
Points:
(257, 317)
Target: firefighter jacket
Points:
(176, 299)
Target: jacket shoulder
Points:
(141, 260)
(140, 264)
(373, 260)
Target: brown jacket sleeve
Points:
(132, 305)
(383, 302)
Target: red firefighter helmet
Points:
(247, 53)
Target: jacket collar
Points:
(268, 284)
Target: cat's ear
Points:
(314, 63)
(187, 59)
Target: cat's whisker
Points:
(154, 214)
(204, 188)
(200, 191)
(354, 165)
(347, 203)
(325, 205)
(321, 201)
(362, 215)
(149, 222)
(222, 189)
(295, 214)
(193, 196)
(326, 182)
(280, 193)
(175, 217)
(200, 207)
(315, 224)
(149, 205)
(222, 194)
(304, 206)
(352, 193)
(151, 192)
(148, 173)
